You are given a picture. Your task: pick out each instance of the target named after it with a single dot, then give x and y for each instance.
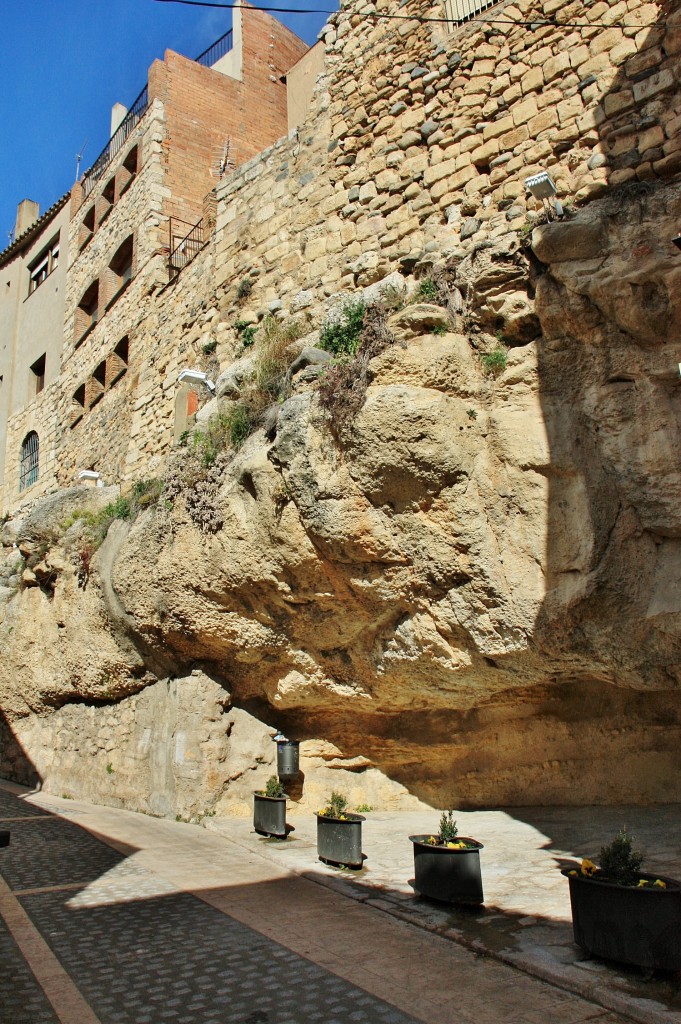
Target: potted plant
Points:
(447, 866)
(339, 833)
(269, 809)
(622, 913)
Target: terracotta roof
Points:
(35, 228)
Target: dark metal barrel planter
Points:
(269, 815)
(452, 876)
(339, 840)
(640, 926)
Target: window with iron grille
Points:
(28, 466)
(459, 11)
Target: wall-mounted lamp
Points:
(196, 377)
(677, 241)
(90, 476)
(541, 186)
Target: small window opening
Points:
(118, 362)
(106, 200)
(121, 266)
(77, 405)
(87, 227)
(41, 269)
(87, 313)
(38, 378)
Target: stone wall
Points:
(416, 150)
(431, 136)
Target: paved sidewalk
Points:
(526, 920)
(111, 917)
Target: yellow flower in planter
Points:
(660, 884)
(573, 873)
(588, 868)
(642, 882)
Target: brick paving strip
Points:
(167, 922)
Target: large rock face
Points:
(470, 597)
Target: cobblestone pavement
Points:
(165, 922)
(21, 998)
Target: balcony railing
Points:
(459, 11)
(116, 142)
(184, 251)
(219, 48)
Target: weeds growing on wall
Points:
(342, 387)
(197, 468)
(94, 526)
(342, 332)
(494, 362)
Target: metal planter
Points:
(269, 815)
(630, 925)
(451, 876)
(339, 841)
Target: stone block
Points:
(497, 128)
(570, 108)
(525, 111)
(555, 66)
(653, 86)
(442, 170)
(532, 80)
(484, 153)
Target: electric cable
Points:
(404, 17)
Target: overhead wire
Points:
(552, 23)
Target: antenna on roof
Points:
(10, 235)
(79, 157)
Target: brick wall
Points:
(205, 109)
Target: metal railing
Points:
(219, 48)
(459, 11)
(116, 141)
(184, 251)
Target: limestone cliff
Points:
(471, 596)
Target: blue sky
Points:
(66, 62)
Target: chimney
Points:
(118, 112)
(27, 214)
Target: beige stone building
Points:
(32, 293)
(139, 214)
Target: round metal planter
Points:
(288, 757)
(339, 841)
(640, 926)
(269, 815)
(451, 876)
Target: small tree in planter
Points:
(269, 809)
(339, 833)
(447, 866)
(622, 913)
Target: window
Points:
(28, 466)
(96, 385)
(38, 376)
(106, 200)
(87, 228)
(121, 268)
(41, 268)
(77, 405)
(127, 171)
(87, 312)
(117, 363)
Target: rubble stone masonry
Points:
(416, 149)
